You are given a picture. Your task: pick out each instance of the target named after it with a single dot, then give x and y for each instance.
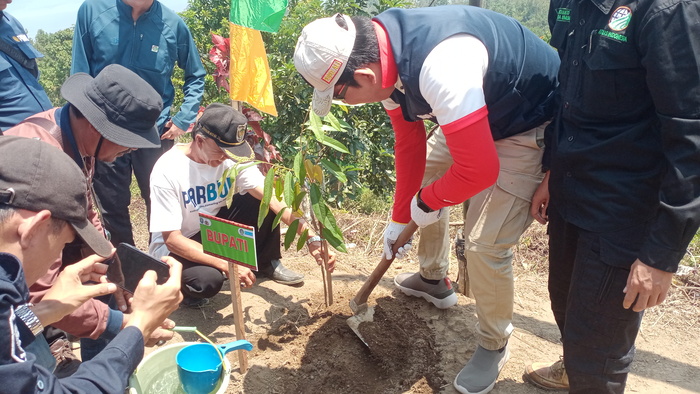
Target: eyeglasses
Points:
(341, 94)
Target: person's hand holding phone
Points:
(69, 291)
(117, 276)
(128, 267)
(153, 303)
(123, 300)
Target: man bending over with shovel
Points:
(488, 82)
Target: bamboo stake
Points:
(237, 313)
(325, 286)
(327, 276)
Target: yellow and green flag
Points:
(250, 73)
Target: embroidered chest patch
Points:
(620, 18)
(563, 15)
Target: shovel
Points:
(364, 313)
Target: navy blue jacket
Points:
(21, 95)
(19, 373)
(522, 68)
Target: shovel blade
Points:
(366, 316)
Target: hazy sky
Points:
(53, 15)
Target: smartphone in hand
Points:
(130, 264)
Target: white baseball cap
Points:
(321, 55)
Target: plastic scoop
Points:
(199, 366)
(195, 330)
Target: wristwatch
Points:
(423, 206)
(315, 238)
(29, 318)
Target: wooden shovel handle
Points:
(380, 270)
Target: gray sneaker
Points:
(481, 372)
(442, 295)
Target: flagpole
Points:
(244, 19)
(236, 295)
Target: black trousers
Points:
(203, 281)
(585, 289)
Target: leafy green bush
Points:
(369, 202)
(365, 131)
(368, 163)
(55, 65)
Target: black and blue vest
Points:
(522, 70)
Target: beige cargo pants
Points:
(494, 221)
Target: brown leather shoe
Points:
(548, 376)
(66, 361)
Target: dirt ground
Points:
(302, 346)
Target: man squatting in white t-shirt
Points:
(186, 181)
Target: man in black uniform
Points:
(624, 179)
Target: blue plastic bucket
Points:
(157, 373)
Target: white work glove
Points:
(420, 216)
(391, 233)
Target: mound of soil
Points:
(402, 344)
(302, 346)
(402, 354)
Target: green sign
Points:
(228, 240)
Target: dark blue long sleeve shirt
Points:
(108, 372)
(21, 95)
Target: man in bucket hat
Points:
(186, 181)
(42, 207)
(105, 117)
(488, 82)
